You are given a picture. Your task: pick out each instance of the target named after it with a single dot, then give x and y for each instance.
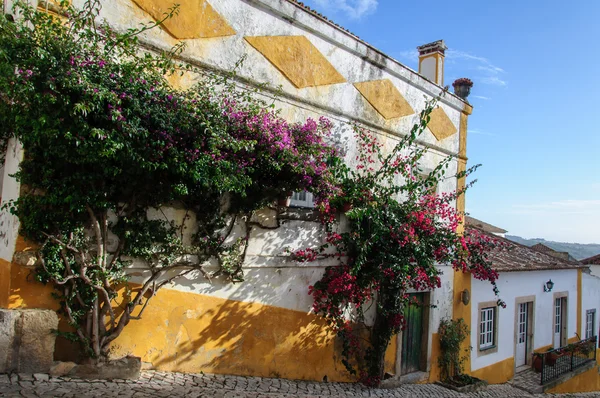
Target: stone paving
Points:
(528, 381)
(160, 384)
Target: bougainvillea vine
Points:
(399, 232)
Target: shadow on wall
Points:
(259, 327)
(188, 332)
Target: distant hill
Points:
(577, 250)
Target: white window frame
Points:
(557, 314)
(590, 320)
(302, 199)
(487, 328)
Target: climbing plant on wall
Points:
(109, 143)
(398, 232)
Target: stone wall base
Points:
(26, 340)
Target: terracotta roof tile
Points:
(318, 14)
(591, 260)
(519, 257)
(473, 222)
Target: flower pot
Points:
(537, 363)
(551, 359)
(347, 207)
(462, 90)
(284, 201)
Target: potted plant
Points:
(452, 357)
(549, 357)
(462, 87)
(584, 348)
(537, 362)
(285, 199)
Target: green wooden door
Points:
(412, 336)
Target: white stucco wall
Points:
(270, 277)
(513, 285)
(590, 300)
(428, 68)
(353, 59)
(595, 269)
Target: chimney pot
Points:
(431, 61)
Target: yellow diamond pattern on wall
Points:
(195, 19)
(440, 124)
(385, 98)
(297, 59)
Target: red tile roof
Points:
(318, 14)
(591, 260)
(519, 257)
(473, 222)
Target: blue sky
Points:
(536, 120)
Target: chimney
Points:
(431, 61)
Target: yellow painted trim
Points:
(297, 59)
(461, 282)
(439, 65)
(467, 109)
(579, 301)
(187, 332)
(497, 373)
(24, 291)
(434, 372)
(385, 98)
(440, 124)
(543, 348)
(572, 340)
(180, 81)
(461, 199)
(5, 272)
(195, 18)
(391, 356)
(585, 382)
(462, 131)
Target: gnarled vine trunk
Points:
(388, 301)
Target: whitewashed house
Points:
(314, 68)
(550, 303)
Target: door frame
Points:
(423, 356)
(564, 317)
(529, 339)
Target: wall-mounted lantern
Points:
(465, 297)
(548, 285)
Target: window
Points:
(302, 199)
(487, 330)
(557, 315)
(590, 321)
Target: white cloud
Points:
(354, 9)
(409, 55)
(490, 69)
(486, 71)
(481, 97)
(493, 80)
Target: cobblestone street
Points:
(159, 384)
